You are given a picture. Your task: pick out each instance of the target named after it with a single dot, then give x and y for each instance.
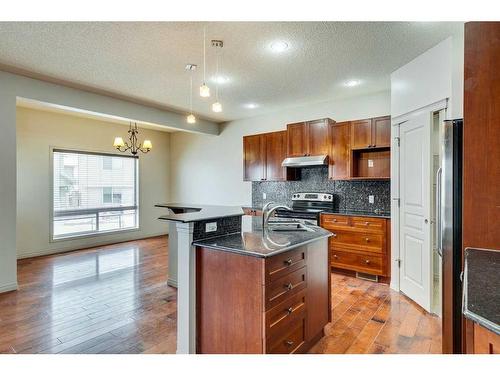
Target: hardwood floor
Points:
(115, 299)
(371, 318)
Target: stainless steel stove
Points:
(306, 207)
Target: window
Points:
(93, 193)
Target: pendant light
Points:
(204, 89)
(217, 107)
(191, 119)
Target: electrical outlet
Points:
(211, 227)
(264, 196)
(370, 163)
(371, 199)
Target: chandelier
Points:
(134, 146)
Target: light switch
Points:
(371, 199)
(370, 163)
(264, 195)
(211, 227)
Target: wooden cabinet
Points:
(371, 133)
(359, 243)
(308, 138)
(277, 305)
(263, 155)
(480, 340)
(339, 155)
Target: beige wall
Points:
(37, 132)
(209, 170)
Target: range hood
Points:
(305, 161)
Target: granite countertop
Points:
(187, 213)
(254, 242)
(481, 287)
(381, 214)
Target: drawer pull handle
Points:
(367, 239)
(288, 286)
(334, 220)
(367, 223)
(289, 310)
(335, 256)
(289, 342)
(367, 261)
(334, 235)
(288, 262)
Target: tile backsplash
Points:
(350, 195)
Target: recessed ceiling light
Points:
(251, 105)
(221, 80)
(279, 46)
(352, 83)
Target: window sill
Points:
(90, 235)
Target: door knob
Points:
(426, 221)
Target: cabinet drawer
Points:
(291, 342)
(285, 287)
(370, 242)
(333, 221)
(371, 224)
(279, 318)
(357, 262)
(284, 263)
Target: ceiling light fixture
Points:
(191, 119)
(134, 145)
(217, 106)
(352, 83)
(279, 46)
(204, 89)
(221, 80)
(251, 105)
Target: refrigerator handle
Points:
(439, 229)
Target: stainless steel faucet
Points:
(267, 212)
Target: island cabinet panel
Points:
(247, 304)
(482, 340)
(229, 302)
(339, 155)
(263, 155)
(309, 138)
(359, 243)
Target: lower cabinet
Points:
(275, 305)
(483, 340)
(360, 244)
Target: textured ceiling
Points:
(146, 61)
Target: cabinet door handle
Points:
(288, 286)
(335, 256)
(289, 342)
(288, 262)
(334, 220)
(367, 239)
(334, 235)
(367, 223)
(289, 310)
(367, 261)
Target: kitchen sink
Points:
(287, 226)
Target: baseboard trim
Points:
(8, 287)
(26, 255)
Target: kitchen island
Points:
(242, 289)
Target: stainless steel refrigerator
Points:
(449, 234)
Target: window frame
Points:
(96, 211)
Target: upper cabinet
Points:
(339, 156)
(308, 138)
(371, 133)
(263, 155)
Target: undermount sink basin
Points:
(184, 210)
(277, 226)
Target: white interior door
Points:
(415, 208)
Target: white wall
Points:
(37, 132)
(209, 170)
(435, 75)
